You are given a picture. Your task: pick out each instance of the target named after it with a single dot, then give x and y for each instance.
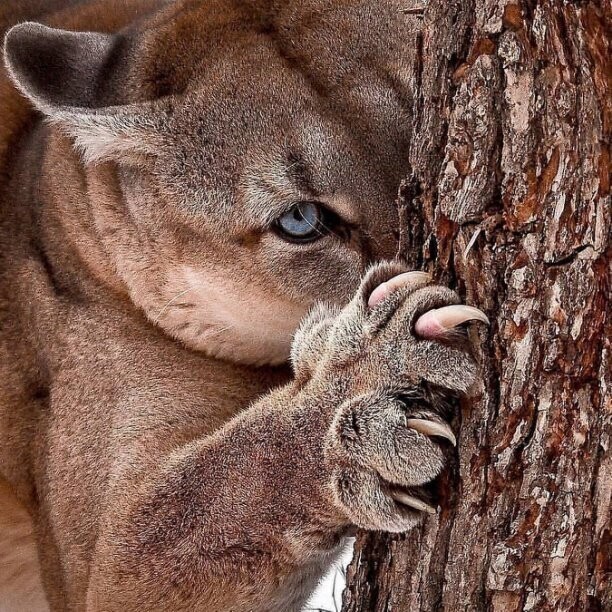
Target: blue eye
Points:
(303, 222)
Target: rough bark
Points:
(507, 199)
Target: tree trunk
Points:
(506, 200)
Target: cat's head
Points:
(244, 157)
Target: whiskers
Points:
(200, 336)
(170, 302)
(328, 230)
(209, 331)
(192, 331)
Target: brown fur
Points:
(167, 457)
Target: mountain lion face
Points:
(242, 158)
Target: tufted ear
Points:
(62, 73)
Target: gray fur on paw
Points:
(393, 392)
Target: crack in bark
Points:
(527, 532)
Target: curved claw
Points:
(432, 429)
(436, 322)
(401, 280)
(412, 502)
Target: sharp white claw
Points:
(431, 428)
(412, 502)
(401, 280)
(436, 322)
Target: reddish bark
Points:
(507, 199)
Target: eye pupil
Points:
(303, 222)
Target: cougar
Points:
(214, 365)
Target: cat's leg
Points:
(246, 518)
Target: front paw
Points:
(388, 448)
(399, 360)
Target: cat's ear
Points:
(62, 73)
